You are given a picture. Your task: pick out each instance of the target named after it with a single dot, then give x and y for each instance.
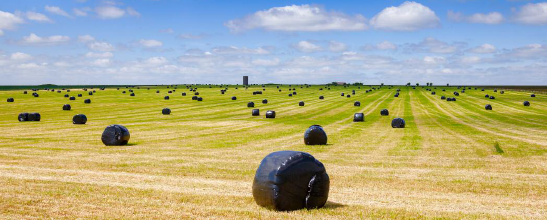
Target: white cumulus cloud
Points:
(150, 43)
(100, 46)
(20, 56)
(56, 10)
(480, 18)
(532, 14)
(337, 46)
(409, 16)
(35, 39)
(35, 16)
(8, 21)
(109, 12)
(298, 18)
(307, 47)
(485, 48)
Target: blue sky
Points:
(205, 41)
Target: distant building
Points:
(245, 80)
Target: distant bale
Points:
(443, 97)
(396, 95)
(255, 112)
(341, 94)
(200, 99)
(23, 117)
(72, 98)
(357, 103)
(321, 97)
(348, 96)
(157, 91)
(526, 103)
(358, 117)
(502, 92)
(301, 103)
(294, 93)
(433, 93)
(290, 95)
(196, 93)
(486, 96)
(291, 180)
(492, 97)
(183, 94)
(25, 92)
(194, 98)
(384, 112)
(123, 92)
(488, 107)
(264, 101)
(398, 123)
(90, 93)
(169, 91)
(315, 135)
(67, 107)
(10, 100)
(234, 98)
(456, 93)
(132, 94)
(166, 111)
(250, 104)
(115, 135)
(533, 95)
(87, 101)
(166, 97)
(79, 95)
(79, 119)
(66, 95)
(495, 90)
(270, 114)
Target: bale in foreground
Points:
(315, 135)
(384, 112)
(358, 117)
(115, 135)
(291, 180)
(398, 123)
(79, 119)
(270, 114)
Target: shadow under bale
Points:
(79, 119)
(67, 107)
(398, 123)
(488, 107)
(384, 112)
(358, 117)
(270, 114)
(291, 180)
(315, 135)
(166, 111)
(526, 103)
(114, 135)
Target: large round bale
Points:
(132, 94)
(35, 95)
(291, 180)
(290, 95)
(315, 135)
(166, 111)
(80, 95)
(255, 112)
(123, 92)
(67, 107)
(79, 119)
(486, 96)
(169, 91)
(348, 95)
(342, 94)
(194, 98)
(200, 99)
(270, 114)
(398, 123)
(166, 97)
(234, 98)
(488, 107)
(533, 95)
(384, 112)
(456, 93)
(183, 94)
(443, 97)
(526, 103)
(264, 101)
(115, 135)
(23, 117)
(357, 103)
(492, 97)
(321, 97)
(433, 93)
(250, 104)
(29, 117)
(502, 92)
(10, 100)
(66, 95)
(358, 117)
(25, 92)
(90, 93)
(301, 103)
(294, 93)
(87, 101)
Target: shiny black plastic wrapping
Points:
(315, 135)
(234, 98)
(200, 99)
(533, 95)
(384, 112)
(194, 98)
(398, 123)
(290, 95)
(80, 95)
(10, 100)
(79, 119)
(23, 117)
(433, 93)
(115, 135)
(255, 112)
(291, 180)
(132, 94)
(66, 95)
(526, 103)
(488, 107)
(72, 98)
(34, 117)
(90, 93)
(321, 97)
(270, 114)
(443, 97)
(357, 103)
(492, 97)
(166, 111)
(301, 103)
(166, 97)
(67, 107)
(358, 117)
(264, 101)
(250, 104)
(87, 101)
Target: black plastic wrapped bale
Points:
(79, 119)
(251, 104)
(488, 107)
(194, 98)
(315, 135)
(321, 97)
(432, 93)
(25, 92)
(132, 94)
(290, 95)
(36, 95)
(87, 101)
(115, 135)
(79, 95)
(456, 93)
(264, 101)
(11, 100)
(398, 123)
(270, 114)
(234, 98)
(166, 97)
(23, 117)
(396, 95)
(67, 107)
(533, 95)
(123, 92)
(502, 92)
(197, 93)
(301, 103)
(526, 103)
(66, 95)
(486, 96)
(495, 90)
(294, 93)
(169, 91)
(255, 112)
(443, 97)
(358, 117)
(348, 96)
(341, 94)
(357, 103)
(291, 180)
(492, 97)
(72, 98)
(200, 99)
(90, 93)
(157, 91)
(166, 111)
(33, 117)
(384, 112)
(183, 94)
